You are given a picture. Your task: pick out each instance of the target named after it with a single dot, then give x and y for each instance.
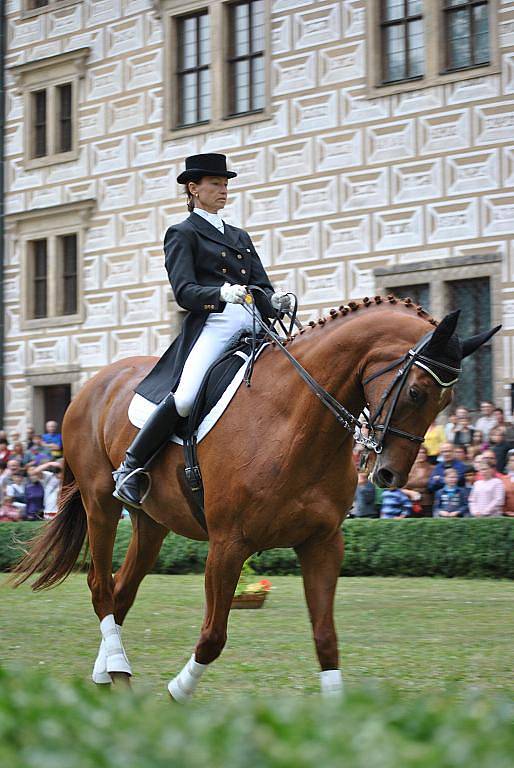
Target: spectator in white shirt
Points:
(487, 420)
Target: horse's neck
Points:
(333, 356)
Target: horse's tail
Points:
(54, 550)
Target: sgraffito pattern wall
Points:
(333, 186)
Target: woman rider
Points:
(209, 263)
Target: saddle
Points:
(216, 380)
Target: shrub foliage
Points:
(44, 722)
(460, 547)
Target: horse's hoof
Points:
(121, 679)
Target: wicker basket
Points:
(249, 600)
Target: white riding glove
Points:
(233, 294)
(282, 301)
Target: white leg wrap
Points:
(115, 656)
(100, 675)
(331, 683)
(184, 684)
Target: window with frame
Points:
(206, 92)
(402, 40)
(51, 242)
(51, 129)
(53, 277)
(466, 26)
(31, 8)
(193, 69)
(50, 89)
(417, 44)
(246, 44)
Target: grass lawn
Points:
(416, 634)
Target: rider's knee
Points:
(183, 403)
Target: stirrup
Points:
(119, 486)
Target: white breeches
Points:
(219, 330)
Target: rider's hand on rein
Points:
(284, 302)
(233, 294)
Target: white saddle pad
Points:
(140, 409)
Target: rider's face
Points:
(210, 192)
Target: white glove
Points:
(233, 294)
(282, 301)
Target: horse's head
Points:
(405, 395)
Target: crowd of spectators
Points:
(462, 469)
(30, 474)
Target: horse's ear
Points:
(474, 342)
(444, 331)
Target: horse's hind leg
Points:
(103, 514)
(321, 565)
(142, 552)
(222, 572)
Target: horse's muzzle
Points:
(385, 477)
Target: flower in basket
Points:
(259, 586)
(244, 587)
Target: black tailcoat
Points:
(199, 260)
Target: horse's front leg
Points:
(222, 572)
(321, 564)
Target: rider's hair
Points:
(190, 198)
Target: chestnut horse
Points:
(277, 469)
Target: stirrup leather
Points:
(138, 470)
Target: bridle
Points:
(411, 358)
(371, 441)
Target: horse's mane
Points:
(353, 306)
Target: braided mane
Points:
(366, 302)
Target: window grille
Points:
(246, 57)
(466, 24)
(40, 279)
(403, 50)
(194, 88)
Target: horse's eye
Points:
(414, 394)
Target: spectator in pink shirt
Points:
(487, 496)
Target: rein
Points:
(370, 441)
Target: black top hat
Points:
(210, 164)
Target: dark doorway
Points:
(55, 401)
(473, 298)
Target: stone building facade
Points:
(348, 186)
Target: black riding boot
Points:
(148, 442)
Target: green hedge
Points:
(461, 547)
(47, 723)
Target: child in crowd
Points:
(34, 495)
(478, 443)
(488, 493)
(451, 500)
(9, 511)
(396, 504)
